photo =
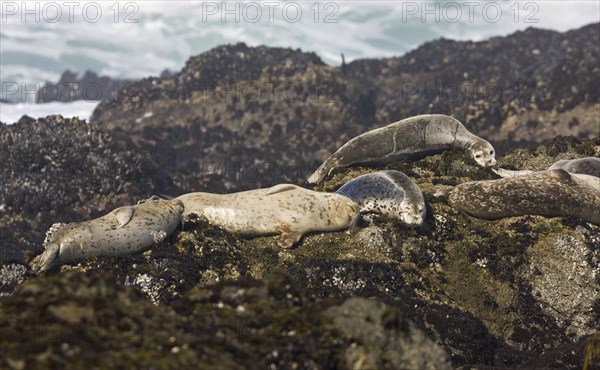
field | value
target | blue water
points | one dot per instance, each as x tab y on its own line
142	38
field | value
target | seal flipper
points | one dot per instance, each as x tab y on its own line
281	188
288	236
159	236
48	259
123	215
562	175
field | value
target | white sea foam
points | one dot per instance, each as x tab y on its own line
11	113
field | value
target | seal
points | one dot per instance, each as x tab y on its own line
389	193
585	166
503	172
552	193
412	138
285	209
123	231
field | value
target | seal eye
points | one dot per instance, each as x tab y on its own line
491	152
478	156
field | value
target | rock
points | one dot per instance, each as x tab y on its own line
382	338
564	275
90	87
239	107
63	170
486	292
11	275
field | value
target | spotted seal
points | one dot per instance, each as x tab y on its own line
585	166
547	193
123	231
288	210
411	138
390	193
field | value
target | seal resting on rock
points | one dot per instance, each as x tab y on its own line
284	209
552	193
389	193
411	138
125	230
503	172
585	166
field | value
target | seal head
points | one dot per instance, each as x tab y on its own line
389	193
483	153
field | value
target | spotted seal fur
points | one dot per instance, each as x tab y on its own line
551	193
288	210
389	193
123	231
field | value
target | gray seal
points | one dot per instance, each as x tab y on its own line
411	138
585	166
552	193
389	193
123	231
287	210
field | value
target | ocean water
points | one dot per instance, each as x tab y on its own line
135	39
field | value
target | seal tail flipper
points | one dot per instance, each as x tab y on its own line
320	174
355	214
48	259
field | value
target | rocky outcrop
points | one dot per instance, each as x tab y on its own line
62	170
457	292
525	77
238	117
89	86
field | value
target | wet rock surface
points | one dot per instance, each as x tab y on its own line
458	292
